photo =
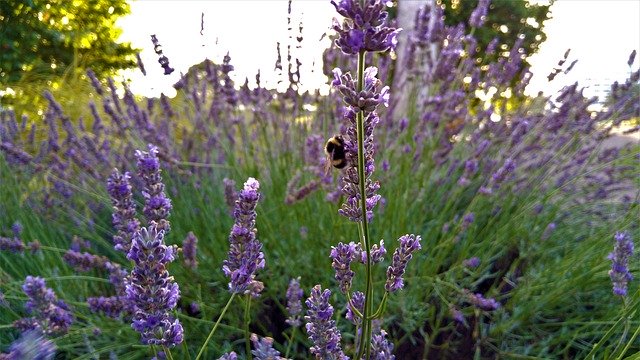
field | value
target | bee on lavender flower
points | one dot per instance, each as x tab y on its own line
336	155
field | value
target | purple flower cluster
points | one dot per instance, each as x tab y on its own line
111	306
124	210
471	263
342	255
479	14
84	261
619	273
483	303
363	28
152	290
229	356
14	245
357	303
294	302
50	315
377	253
189	246
263	348
157	205
321	328
230	193
31	345
381	348
245	256
404	252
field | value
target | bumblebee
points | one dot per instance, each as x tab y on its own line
336	156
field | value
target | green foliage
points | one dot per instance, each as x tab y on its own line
42	41
506	20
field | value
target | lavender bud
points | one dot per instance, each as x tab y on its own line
124	210
245	256
408	245
381	347
32	345
51	315
294	302
483	303
157	205
189	246
471	263
263	348
357	302
321	328
619	273
377	253
229	356
479	14
342	255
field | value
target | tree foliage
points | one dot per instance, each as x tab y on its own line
41	39
506	20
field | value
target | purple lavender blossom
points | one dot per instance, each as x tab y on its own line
245	256
189	246
357	302
50	315
377	253
263	348
321	328
152	290
479	14
17	228
363	28
471	263
408	245
157	205
124	210
619	273
14	245
483	303
456	315
467	220
112	306
230	193
229	356
31	345
84	262
294	302
342	255
381	347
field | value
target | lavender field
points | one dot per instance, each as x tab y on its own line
427	207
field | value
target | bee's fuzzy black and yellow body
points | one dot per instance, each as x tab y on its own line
335	152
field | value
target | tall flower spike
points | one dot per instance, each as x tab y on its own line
152	290
408	245
245	256
381	348
294	303
321	328
124	210
157	205
189	247
619	273
479	14
50	315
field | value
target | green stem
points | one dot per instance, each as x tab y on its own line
247	319
167	352
215	326
382	307
365	339
293	336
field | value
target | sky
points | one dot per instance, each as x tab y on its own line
600	33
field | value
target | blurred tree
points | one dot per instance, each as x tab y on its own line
41	39
506	20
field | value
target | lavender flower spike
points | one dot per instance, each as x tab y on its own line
156	204
619	273
342	256
189	246
321	328
124	210
294	303
31	345
152	291
51	316
263	348
229	356
479	14
408	245
245	255
381	348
